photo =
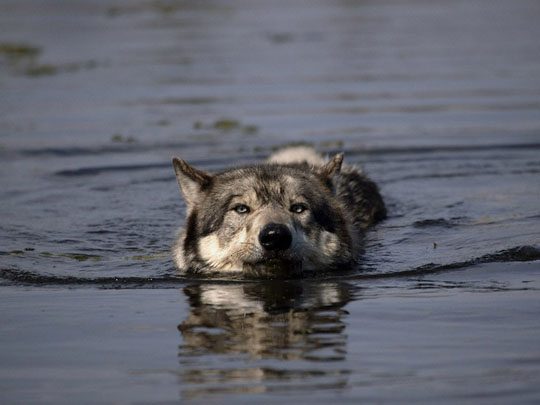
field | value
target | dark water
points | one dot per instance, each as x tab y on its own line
438	101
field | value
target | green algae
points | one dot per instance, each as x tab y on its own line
23	59
80	257
119	138
226	125
17	51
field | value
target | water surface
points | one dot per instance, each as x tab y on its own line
438	102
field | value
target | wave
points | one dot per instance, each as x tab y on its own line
14	276
517	254
225	161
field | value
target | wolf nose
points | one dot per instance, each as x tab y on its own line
275	237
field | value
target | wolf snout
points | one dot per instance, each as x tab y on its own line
275	237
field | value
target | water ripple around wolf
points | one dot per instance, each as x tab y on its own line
15	276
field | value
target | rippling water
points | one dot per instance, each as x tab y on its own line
439	102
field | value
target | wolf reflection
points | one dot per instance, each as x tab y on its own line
285	320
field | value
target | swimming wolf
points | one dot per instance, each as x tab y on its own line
293	214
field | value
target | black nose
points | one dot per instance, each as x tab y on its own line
275	237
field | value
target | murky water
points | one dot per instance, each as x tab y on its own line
438	101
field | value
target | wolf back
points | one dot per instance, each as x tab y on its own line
296	213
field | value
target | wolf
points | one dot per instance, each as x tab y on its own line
294	214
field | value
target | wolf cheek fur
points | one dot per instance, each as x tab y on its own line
296	213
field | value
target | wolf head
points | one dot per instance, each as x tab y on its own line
270	220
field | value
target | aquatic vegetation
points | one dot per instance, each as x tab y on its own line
17	51
23	59
119	138
226	125
80	257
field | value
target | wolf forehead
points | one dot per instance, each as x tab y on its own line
269	183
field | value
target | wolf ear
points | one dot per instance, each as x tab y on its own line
191	181
330	169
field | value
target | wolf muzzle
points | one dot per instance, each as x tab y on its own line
275	237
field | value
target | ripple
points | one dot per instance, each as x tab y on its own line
16	276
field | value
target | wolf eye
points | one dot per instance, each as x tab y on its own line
241	209
298	208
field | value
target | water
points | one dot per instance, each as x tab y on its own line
438	102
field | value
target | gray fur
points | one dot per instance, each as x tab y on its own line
324	208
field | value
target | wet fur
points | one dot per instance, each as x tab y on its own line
341	202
